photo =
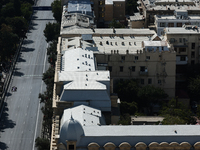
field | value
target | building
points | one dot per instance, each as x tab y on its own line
179	19
83	128
136	21
149	8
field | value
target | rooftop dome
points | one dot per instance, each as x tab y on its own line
71	130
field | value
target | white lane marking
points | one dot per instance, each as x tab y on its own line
36	124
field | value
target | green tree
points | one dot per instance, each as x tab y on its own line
125	119
115	24
52	31
8	10
57	10
176	113
130	108
127	90
18	24
8	41
194	88
48	78
26	10
17	6
149	96
131	6
42	144
52	53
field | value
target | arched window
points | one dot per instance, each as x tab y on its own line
124	146
197	146
140	146
185	146
109	146
154	146
93	146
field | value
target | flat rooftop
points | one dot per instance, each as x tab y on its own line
182	30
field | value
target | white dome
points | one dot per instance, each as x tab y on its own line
71	130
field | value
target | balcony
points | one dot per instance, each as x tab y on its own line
143	73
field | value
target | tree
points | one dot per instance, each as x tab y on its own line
115	24
42	144
52	31
194	88
125	119
131	6
57	10
130	108
8	11
149	96
176	113
8	41
127	90
52	53
18	24
17	6
26	10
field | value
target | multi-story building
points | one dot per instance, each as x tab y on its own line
149	8
179	19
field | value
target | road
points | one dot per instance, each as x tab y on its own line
21	118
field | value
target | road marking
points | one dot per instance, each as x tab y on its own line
24	122
26	114
27	106
22	132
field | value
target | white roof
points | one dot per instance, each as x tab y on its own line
86	115
177	30
78	60
107	2
155	43
99	31
142	130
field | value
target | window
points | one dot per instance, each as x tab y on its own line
133	68
192	54
110	68
172	40
183	58
179	24
100	2
142	81
149	81
142	68
71	147
122	57
184	40
162	24
182	49
162	48
180	40
109	57
121	68
159	81
175	49
136	57
170	24
148	57
193	45
192	62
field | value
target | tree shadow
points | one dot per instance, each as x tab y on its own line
3	146
28	41
21	60
26	49
5	123
17	73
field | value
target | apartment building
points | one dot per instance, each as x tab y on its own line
179	19
150	8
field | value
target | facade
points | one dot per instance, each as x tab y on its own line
136	21
179	19
150	8
185	41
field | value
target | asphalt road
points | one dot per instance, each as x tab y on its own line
21	118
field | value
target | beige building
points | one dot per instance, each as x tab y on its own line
149	8
136	21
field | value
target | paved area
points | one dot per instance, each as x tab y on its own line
21	118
